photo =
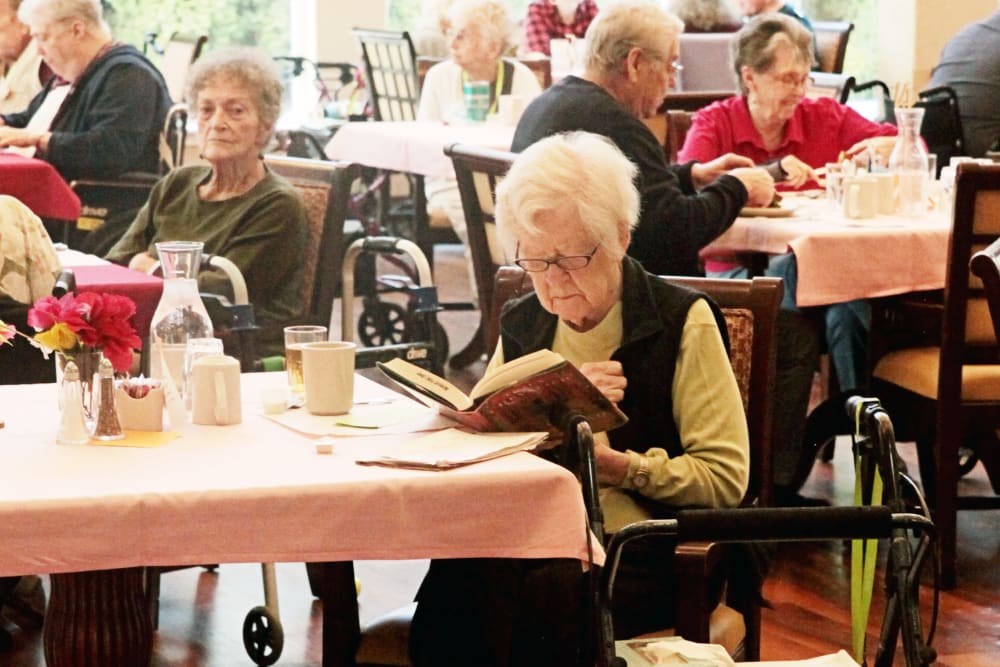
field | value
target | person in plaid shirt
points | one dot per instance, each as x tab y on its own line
549	19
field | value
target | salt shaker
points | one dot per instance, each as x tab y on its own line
108	426
72	425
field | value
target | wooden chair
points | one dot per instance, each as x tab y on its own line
831	44
478	171
325	188
707	62
837	86
670	127
390	73
985	265
751	310
950	388
693	100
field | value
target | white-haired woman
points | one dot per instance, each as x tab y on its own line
479	33
108	119
653	348
235	205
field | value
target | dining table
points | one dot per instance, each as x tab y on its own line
94	274
841	258
94	515
413	147
38	185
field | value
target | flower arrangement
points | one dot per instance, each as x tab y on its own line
76	323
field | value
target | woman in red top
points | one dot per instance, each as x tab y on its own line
776	125
773	121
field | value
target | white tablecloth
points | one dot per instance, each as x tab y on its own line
258	491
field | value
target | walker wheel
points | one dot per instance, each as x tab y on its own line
263	637
382	323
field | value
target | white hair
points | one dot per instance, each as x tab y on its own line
579	170
491	17
629	24
88	12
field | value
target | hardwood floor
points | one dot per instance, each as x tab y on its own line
201	613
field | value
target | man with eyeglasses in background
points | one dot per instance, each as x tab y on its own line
631	62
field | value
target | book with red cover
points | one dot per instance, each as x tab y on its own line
536	392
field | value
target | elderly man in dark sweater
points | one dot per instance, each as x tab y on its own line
631	50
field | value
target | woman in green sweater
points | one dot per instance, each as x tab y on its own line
235	205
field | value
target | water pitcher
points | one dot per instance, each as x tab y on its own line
180	315
908	162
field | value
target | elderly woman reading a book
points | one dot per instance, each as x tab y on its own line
564	213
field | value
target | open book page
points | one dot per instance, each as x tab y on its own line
452	447
514	370
423	384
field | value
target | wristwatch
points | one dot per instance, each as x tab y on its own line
640	478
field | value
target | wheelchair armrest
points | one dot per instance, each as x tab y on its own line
131	179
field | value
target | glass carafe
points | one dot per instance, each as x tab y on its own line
908	162
180	315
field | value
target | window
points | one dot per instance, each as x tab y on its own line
263	23
404	14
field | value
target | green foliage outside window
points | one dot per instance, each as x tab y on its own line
860	59
262	23
403	14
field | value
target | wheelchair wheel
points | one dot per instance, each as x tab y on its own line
382	323
263	637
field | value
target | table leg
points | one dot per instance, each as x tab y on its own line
341	628
98	619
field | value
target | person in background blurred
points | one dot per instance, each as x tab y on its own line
751	8
970	64
774	124
556	19
705	15
480	33
102	114
22	70
234	204
429	35
632	51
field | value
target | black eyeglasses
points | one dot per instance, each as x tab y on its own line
567	263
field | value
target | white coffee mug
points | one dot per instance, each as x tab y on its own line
328	375
215	390
886	192
860	194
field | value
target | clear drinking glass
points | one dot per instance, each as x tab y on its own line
295	338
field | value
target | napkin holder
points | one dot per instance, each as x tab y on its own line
141	414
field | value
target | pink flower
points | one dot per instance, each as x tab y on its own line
98	320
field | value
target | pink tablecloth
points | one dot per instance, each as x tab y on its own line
39	186
144	289
841	259
259	492
410	146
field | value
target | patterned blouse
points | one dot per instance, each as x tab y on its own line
544	23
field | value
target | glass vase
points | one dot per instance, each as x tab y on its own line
908	162
180	314
88	362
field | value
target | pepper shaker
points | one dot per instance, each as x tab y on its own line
108	426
